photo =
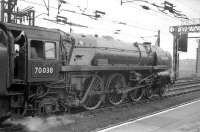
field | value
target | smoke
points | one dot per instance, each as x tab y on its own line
39	124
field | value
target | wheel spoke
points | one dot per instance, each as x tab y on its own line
136	94
94	99
116	82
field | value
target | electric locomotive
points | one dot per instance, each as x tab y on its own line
47	70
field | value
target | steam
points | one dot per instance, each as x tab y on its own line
39	124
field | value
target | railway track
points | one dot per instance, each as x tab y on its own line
186	82
183	87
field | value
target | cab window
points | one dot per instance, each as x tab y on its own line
42	50
50	50
37	49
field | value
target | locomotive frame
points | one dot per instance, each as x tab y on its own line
38	74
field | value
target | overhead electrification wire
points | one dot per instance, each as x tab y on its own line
113	21
107	30
118	22
164	15
78	13
175	19
156	12
52	7
176	14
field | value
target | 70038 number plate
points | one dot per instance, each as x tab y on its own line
43	71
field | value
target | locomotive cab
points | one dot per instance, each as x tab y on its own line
33	53
29	58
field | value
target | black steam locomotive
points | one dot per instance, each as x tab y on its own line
47	70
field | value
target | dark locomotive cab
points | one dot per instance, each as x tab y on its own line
29	56
35	53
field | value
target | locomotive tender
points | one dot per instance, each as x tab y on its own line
47	70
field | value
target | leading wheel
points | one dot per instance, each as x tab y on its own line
136	94
115	85
95	95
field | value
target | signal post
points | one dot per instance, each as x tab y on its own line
180	40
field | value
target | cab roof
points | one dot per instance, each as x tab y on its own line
34	32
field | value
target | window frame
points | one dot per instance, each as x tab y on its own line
55	51
44	53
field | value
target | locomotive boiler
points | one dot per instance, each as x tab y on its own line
47	70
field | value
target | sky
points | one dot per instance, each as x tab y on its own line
143	24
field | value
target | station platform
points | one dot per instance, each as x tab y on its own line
183	118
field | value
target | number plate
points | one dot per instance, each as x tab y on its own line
43	70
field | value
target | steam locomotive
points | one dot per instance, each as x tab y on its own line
47	70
